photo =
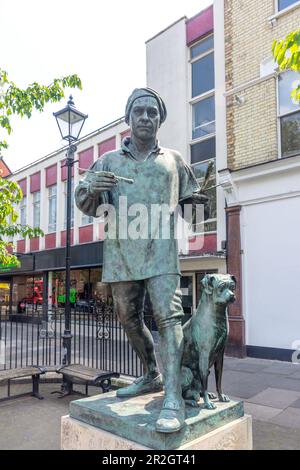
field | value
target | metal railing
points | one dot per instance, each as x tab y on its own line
34	337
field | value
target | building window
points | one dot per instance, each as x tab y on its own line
23	204
72	204
52	195
203	82
36	208
86	219
204	117
289	114
282	4
204	46
203	140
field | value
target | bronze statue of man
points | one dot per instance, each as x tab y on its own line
134	266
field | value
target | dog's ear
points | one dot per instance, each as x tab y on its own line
207	283
233	278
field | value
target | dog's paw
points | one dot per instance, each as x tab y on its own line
192	403
211	395
224	398
210	406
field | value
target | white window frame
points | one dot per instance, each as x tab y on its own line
286	9
35	204
192	101
52	226
86	219
279	116
203	96
23	210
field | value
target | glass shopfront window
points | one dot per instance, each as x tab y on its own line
4	298
27	295
86	288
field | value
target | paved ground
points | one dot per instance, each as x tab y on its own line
270	390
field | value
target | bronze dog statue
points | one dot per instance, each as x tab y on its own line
205	336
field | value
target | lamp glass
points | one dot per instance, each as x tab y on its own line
70	123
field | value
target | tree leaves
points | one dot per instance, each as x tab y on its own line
22	102
286	53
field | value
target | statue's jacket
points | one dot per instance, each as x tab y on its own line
140	237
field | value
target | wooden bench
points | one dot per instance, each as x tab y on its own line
34	371
76	373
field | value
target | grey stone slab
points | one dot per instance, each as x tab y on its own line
295	375
244	389
259	378
281	368
232	376
269	436
296	404
229	377
276	398
255	360
290	417
282	382
243	365
135	418
261	412
249	367
236	383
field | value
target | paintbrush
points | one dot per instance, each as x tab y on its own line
121	178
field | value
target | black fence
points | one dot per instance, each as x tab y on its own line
34	337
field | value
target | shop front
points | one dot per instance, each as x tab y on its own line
5	294
38	285
86	289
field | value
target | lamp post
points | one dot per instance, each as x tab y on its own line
70	122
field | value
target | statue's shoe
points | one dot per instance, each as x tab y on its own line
141	386
171	417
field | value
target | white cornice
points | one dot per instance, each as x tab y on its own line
279	179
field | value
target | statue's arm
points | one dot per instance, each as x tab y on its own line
86	199
87	202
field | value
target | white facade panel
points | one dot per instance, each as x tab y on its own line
270	198
167	70
271	272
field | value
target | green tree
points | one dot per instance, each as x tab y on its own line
21	102
286	53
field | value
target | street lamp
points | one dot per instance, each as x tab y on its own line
70	122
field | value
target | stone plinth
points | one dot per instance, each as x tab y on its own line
110	423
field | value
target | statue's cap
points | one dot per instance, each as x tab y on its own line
141	92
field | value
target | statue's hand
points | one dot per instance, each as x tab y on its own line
200	198
102	181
